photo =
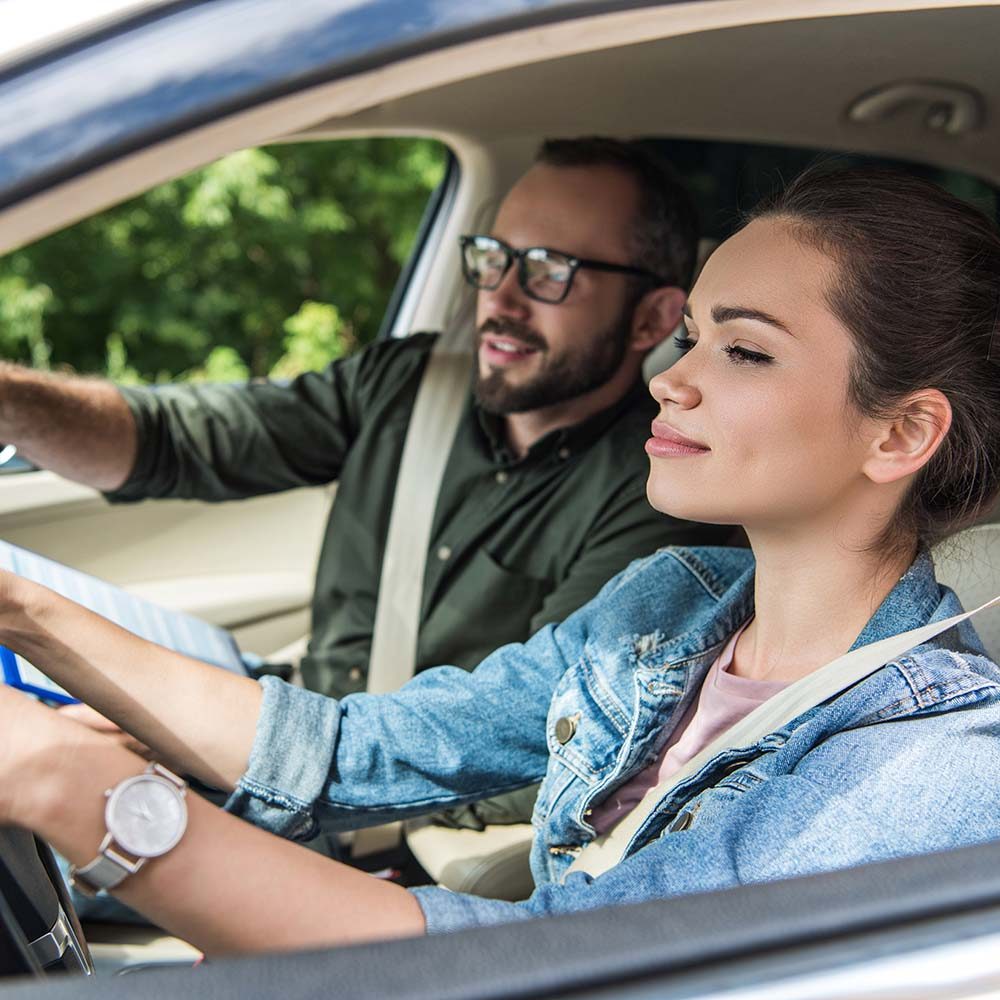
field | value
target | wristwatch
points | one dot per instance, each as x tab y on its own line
146	816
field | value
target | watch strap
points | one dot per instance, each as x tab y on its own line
106	871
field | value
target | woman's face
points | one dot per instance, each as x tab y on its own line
755	426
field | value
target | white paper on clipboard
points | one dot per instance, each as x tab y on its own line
172	629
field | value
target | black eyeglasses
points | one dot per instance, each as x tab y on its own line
543	274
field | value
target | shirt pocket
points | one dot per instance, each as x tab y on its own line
480	607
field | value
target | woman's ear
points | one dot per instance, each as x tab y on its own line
656	316
906	443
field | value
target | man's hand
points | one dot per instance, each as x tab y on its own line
87	716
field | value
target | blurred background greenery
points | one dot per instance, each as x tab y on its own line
269	262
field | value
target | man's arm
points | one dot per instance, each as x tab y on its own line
80	428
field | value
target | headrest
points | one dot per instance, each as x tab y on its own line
969	563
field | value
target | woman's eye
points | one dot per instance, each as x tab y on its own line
744	356
683	342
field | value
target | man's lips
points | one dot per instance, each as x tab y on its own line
668	443
502	349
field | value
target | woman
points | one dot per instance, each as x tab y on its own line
836	399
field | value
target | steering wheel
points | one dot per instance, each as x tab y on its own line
39	930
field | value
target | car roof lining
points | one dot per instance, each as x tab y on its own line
786	83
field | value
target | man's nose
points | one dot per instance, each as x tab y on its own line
676	385
507	299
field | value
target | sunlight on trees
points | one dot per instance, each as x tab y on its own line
269	261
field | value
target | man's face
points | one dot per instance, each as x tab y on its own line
535	354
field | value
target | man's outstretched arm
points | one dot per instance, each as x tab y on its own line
79	428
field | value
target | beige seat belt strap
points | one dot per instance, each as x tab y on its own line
608	850
441	397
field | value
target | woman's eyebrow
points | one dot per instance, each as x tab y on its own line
724	314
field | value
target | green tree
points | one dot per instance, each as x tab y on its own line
275	259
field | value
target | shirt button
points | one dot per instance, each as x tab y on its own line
564	453
501	477
566	728
444	553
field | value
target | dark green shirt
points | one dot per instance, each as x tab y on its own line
516	543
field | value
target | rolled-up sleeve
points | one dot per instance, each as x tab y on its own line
445	738
285	778
226	442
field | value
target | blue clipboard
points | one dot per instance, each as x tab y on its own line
16	675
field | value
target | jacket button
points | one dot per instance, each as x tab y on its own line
684	819
566	728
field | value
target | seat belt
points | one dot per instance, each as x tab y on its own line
608	850
441	397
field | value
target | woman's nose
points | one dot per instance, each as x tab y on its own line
676	385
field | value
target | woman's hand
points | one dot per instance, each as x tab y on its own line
33	739
93	719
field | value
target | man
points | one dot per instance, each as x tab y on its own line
543	497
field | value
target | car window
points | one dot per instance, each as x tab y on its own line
726	178
269	262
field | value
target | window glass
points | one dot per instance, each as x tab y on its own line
727	179
271	261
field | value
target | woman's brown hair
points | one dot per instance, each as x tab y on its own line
919	290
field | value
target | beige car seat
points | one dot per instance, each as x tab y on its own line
969	563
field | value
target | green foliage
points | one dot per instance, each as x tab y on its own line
271	260
314	334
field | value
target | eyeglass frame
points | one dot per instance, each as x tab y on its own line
519	255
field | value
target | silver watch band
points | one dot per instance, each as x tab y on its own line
106	871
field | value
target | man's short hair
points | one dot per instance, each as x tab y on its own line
665	231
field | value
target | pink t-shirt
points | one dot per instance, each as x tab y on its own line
724	699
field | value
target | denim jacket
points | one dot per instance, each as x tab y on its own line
903	762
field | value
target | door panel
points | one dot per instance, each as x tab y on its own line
247	565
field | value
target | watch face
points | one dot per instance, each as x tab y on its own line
146	815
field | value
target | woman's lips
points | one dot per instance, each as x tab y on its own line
668	443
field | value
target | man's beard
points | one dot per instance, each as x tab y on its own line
575	372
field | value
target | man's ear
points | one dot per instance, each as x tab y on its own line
907	442
656	317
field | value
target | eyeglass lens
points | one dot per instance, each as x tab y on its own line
543	273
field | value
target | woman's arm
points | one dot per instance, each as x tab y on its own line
199	719
226	887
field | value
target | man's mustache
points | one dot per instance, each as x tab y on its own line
510	328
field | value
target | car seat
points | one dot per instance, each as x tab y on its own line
969	563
